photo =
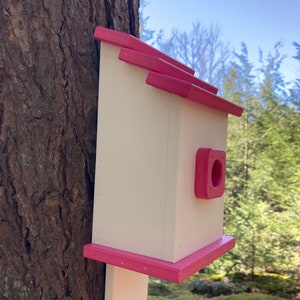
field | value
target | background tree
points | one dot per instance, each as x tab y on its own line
48	111
295	91
146	34
201	48
262	202
275	173
239	87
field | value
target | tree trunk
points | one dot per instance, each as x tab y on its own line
48	111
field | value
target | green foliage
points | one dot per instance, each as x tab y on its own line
159	289
275	284
262	197
259	286
162	290
231	297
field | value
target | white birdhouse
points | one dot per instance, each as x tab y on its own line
160	164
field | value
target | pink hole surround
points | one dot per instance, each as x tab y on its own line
210	169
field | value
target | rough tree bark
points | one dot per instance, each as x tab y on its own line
48	105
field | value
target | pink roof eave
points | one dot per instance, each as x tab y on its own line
192	92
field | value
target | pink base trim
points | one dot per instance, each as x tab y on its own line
175	272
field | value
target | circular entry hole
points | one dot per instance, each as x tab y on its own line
216	173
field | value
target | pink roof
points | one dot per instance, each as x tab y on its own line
165	72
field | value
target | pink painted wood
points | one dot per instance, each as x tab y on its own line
175	272
192	92
126	40
210	171
156	63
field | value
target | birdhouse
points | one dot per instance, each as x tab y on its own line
160	163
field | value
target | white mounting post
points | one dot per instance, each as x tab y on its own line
123	284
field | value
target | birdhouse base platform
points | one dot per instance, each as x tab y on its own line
174	272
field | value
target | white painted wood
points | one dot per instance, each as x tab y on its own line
131	158
198	222
146	147
122	284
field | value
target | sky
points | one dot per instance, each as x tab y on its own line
258	23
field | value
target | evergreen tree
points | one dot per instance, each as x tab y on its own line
239	87
295	91
274	170
262	193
